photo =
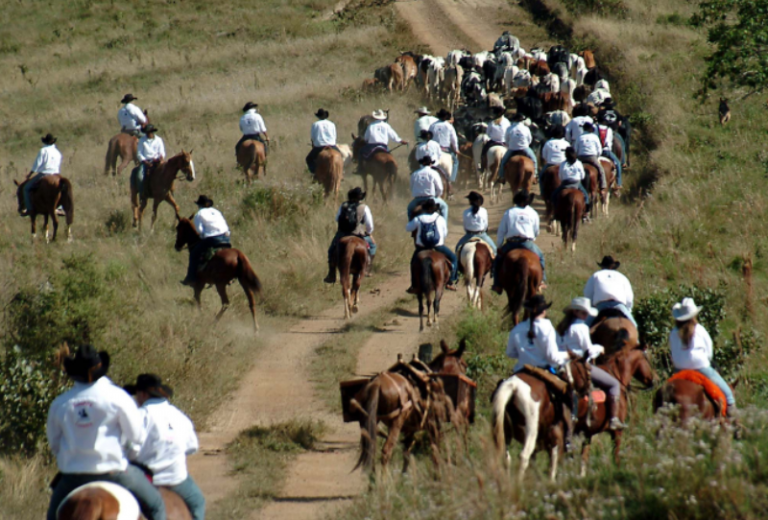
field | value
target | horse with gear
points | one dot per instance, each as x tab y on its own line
445	135
47	162
150	154
589	149
428	147
496	132
353	219
125	144
475	250
130	117
519	140
253	127
214	234
572	176
323	135
609	289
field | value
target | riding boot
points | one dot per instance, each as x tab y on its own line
331	278
369	264
613	414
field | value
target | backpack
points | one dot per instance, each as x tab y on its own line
429	234
348	221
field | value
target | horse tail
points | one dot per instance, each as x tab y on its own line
574	221
501	397
246	275
368	426
67	199
426	280
518	296
110	161
467	261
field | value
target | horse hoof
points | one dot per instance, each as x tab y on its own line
354	309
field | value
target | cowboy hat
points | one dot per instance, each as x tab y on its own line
150	128
429	206
685	310
518	117
425	134
356	194
48	139
423	111
537	304
151	384
204	202
497	112
523	198
87	365
609	263
443	115
473	195
249	106
581	304
128	98
322	113
379	115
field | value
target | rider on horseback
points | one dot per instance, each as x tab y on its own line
475	223
691	348
377	136
572	176
496	132
353	219
88	428
214	234
518	229
252	126
47	162
553	152
609	289
605	134
518	139
589	149
130	117
323	136
575	128
431	231
445	135
423	122
151	152
427	184
170	438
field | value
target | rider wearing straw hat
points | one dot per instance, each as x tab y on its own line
423	122
130	117
323	135
609	289
691	348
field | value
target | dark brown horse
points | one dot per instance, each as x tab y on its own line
124	146
252	159
569	209
160	186
607	329
594	188
225	266
520	276
548	183
475	261
381	166
430	271
50	192
353	256
329	172
96	502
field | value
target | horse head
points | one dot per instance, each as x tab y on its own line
186	234
188	166
357	144
450	361
579	369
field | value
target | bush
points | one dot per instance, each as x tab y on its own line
117	222
277	202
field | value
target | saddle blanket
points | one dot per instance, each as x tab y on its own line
710	388
370	149
598	396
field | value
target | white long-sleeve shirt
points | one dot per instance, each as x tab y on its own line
542	352
423	123
518	137
48	160
554	151
131	117
698	354
578	340
170	438
426	182
475	222
589	144
415	225
497	129
252	123
209	222
89	425
518	222
607	285
323	133
380	132
428	149
445	135
151	149
575	128
367	218
571	173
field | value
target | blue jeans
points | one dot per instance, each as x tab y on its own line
508	156
716	378
455	171
132	479
576	185
612	304
196	253
192	496
481	235
418	200
616	162
28	190
332	251
510	245
622	144
450	255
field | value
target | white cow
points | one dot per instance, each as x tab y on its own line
435	75
453	58
508	80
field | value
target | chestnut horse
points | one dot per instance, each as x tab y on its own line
124	146
252	159
607	327
610	181
225	265
95	501
518	172
353	256
50	192
475	261
594	188
381	166
160	187
520	276
329	172
430	271
569	209
549	182
690	397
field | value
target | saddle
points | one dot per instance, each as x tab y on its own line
710	389
366	153
554	384
604	315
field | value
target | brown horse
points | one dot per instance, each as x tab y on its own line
594	188
252	159
549	182
329	172
607	331
160	187
353	257
124	146
95	502
520	276
381	166
50	192
430	271
569	209
518	172
475	261
610	181
690	397
222	268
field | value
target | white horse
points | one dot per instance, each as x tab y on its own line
490	176
346	155
477	158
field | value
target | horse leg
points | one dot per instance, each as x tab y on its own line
251	305
616	446
553	454
585	456
222	290
155	203
55	220
392	435
345	293
170	200
125	161
408	442
356	281
45	227
421	312
33	222
531	414
142	207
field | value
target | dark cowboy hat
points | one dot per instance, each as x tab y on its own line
498	111
537	304
609	263
589	127
87	365
443	115
322	113
249	106
151	384
429	206
48	139
425	134
150	128
356	194
518	117
473	195
204	202
522	198
128	98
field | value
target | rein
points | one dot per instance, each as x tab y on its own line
398	146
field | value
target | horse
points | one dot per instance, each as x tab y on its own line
690	397
101	501
353	257
252	159
429	274
608	326
160	187
594	189
475	261
520	276
569	209
493	159
225	265
126	147
50	192
329	172
549	182
610	180
518	172
381	166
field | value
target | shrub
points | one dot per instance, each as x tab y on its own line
285	201
117	222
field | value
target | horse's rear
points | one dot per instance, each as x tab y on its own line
493	160
99	501
476	261
520	276
606	332
518	172
549	182
330	172
252	158
381	165
688	396
226	265
429	274
353	256
569	210
50	192
125	147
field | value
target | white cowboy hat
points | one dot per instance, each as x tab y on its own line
581	304
685	310
602	84
423	110
379	115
